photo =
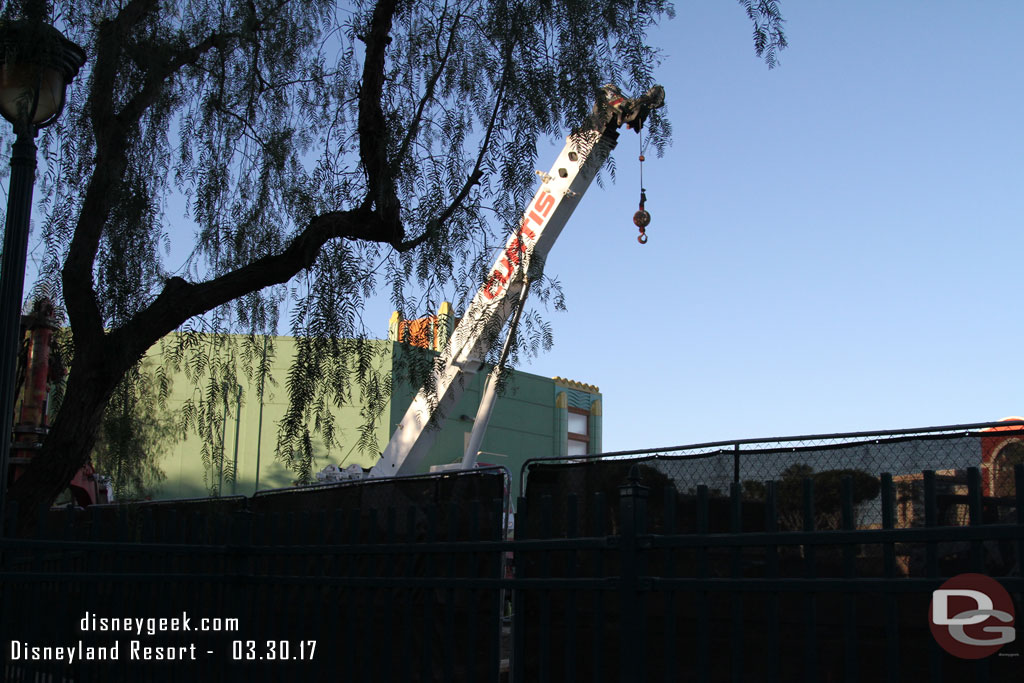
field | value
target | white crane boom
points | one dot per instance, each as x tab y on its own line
521	261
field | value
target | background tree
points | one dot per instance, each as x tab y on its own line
323	151
828	500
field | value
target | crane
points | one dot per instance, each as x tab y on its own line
505	288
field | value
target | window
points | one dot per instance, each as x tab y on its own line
577	449
579	432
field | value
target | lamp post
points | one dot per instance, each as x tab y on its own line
36	65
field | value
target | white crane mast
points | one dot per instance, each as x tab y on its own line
521	261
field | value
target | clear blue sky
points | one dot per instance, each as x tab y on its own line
835	243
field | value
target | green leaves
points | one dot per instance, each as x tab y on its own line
769	37
136	432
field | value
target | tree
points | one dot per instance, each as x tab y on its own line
828	500
135	432
324	151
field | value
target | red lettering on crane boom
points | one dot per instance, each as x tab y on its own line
518	244
544	204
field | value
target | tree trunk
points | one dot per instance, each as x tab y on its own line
68	445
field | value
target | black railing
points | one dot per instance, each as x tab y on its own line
720	592
642	582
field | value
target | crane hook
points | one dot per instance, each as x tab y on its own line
641	218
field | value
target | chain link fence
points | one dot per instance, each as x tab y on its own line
993	447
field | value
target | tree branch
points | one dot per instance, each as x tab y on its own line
474	177
372	129
108	50
111	135
157	78
110	163
428	94
181	300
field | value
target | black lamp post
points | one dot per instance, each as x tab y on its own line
36	65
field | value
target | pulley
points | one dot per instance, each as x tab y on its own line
642	218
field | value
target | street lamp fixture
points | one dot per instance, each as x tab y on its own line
36	65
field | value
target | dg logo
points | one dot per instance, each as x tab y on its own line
971	616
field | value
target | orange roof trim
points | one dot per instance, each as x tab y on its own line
573	384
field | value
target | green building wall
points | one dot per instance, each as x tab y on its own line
529	421
250	435
522	426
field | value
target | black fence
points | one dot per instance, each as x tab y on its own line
652	585
375	579
619	573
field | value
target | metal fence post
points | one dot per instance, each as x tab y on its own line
892	624
810	603
518	663
932	565
736	527
632	520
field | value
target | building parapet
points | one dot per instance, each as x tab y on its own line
573	384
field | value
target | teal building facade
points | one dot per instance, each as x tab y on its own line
535	417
